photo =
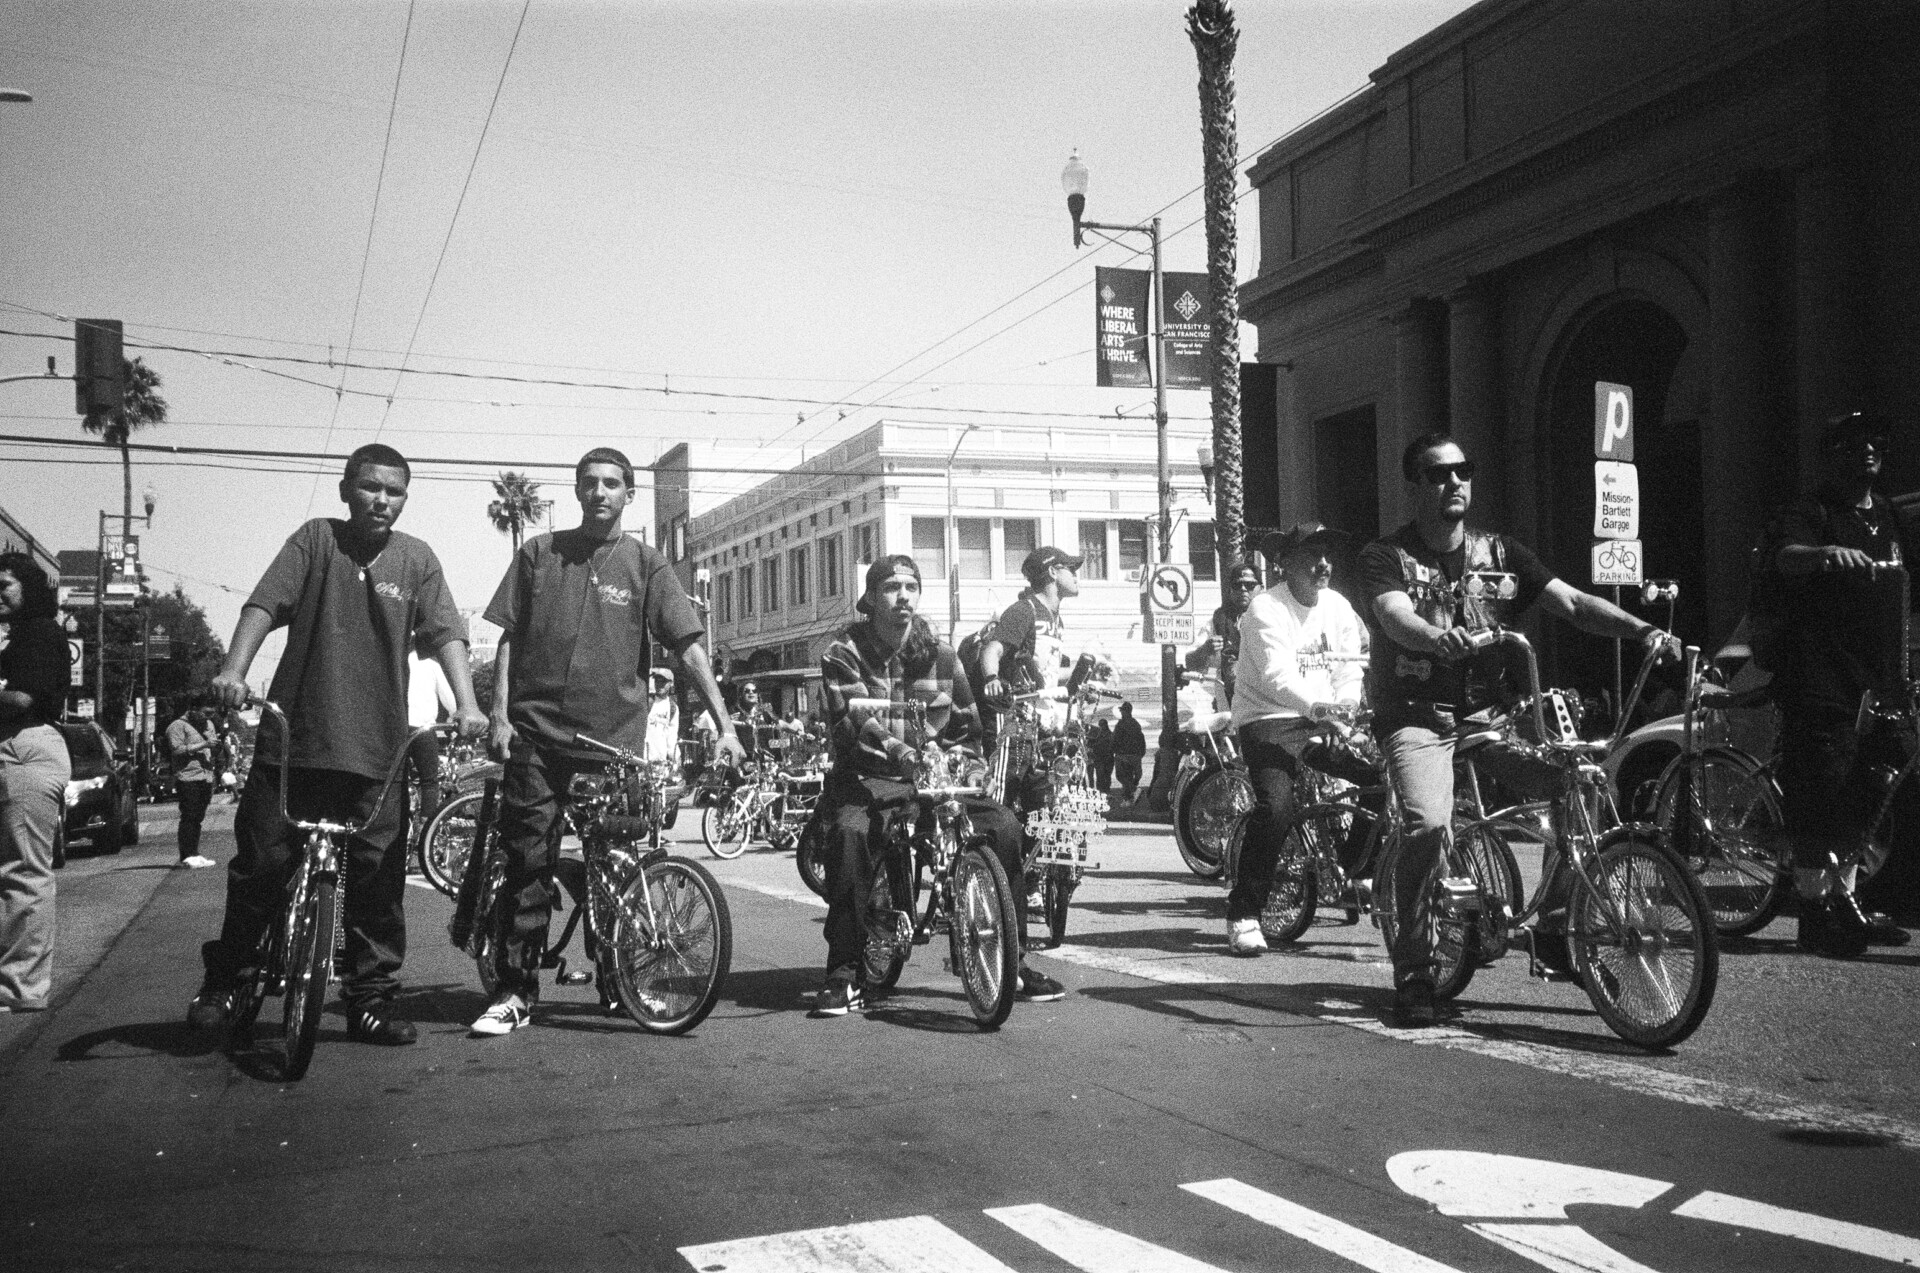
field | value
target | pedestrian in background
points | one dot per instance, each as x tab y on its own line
190	751
34	769
1129	750
429	701
1100	755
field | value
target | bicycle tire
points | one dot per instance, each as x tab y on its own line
725	827
985	934
309	958
1293	893
250	991
1654	982
447	841
1056	893
485	942
1732	841
1203	821
670	957
1485	857
882	958
810	859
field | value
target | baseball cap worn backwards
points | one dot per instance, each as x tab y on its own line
881	571
1041	561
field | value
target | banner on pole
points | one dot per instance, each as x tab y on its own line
1120	299
1184	305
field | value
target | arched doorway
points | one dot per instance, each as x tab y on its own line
1627	340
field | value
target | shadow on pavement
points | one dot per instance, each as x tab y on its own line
766	990
170	1038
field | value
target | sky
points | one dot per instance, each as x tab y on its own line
760	225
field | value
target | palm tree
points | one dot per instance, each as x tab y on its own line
1210	27
140	406
518	507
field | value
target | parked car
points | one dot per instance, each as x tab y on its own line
101	808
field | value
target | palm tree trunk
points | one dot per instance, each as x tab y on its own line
1211	28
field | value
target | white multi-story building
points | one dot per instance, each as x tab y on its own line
785	561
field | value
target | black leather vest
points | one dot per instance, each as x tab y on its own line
1481	598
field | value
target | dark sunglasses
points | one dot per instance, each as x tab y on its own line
1247	583
1437	474
1858	446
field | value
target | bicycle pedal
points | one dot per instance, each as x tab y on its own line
581	978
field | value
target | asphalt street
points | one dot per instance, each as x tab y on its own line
1180	1110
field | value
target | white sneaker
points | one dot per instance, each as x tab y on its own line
508	1013
196	862
1244	937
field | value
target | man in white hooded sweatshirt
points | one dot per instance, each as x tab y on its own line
1299	648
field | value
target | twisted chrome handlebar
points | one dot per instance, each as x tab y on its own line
386	788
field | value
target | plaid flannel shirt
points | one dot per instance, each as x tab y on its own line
856	666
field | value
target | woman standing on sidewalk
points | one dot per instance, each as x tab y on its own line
34	769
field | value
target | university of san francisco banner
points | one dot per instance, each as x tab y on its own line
1120	299
1183	308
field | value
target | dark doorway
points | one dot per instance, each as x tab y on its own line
1637	343
1346	487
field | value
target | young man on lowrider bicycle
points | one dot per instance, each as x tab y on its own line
576	609
354	596
1430	586
1299	647
892	654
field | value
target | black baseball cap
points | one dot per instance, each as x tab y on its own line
1853	427
881	571
1279	543
1041	561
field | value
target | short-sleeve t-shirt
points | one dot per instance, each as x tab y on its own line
1381	573
351	617
1842	630
578	612
1028	628
35	664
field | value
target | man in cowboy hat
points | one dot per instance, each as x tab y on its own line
1429	587
1300	645
890	653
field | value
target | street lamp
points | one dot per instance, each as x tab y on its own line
953	543
1073	179
1204	453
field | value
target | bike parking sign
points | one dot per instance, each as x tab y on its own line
1617	562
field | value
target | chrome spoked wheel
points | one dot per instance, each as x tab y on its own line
447	842
986	934
1213	805
725	827
1643	944
672	945
1720	813
309	957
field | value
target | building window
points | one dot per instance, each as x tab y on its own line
930	545
1023	536
1201	554
799	575
746	591
723	598
1133	548
770	592
1093	547
677	539
869	543
976	547
830	566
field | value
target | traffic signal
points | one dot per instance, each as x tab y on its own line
99	366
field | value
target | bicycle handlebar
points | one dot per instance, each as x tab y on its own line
386	787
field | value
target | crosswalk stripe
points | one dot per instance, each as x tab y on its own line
1564	1248
1093	1247
1843	1234
916	1244
1342	1239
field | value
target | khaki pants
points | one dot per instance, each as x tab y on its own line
34	769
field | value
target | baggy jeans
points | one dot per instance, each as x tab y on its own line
34	769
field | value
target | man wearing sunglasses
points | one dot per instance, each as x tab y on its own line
1838	638
1429	586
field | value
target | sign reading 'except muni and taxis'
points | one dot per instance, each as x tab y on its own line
1166	605
1120	300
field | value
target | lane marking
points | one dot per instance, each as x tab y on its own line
1625	1075
1342	1239
1464	1183
1564	1248
805	896
1747	1214
916	1244
1094	1247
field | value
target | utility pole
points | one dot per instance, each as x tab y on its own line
1211	28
